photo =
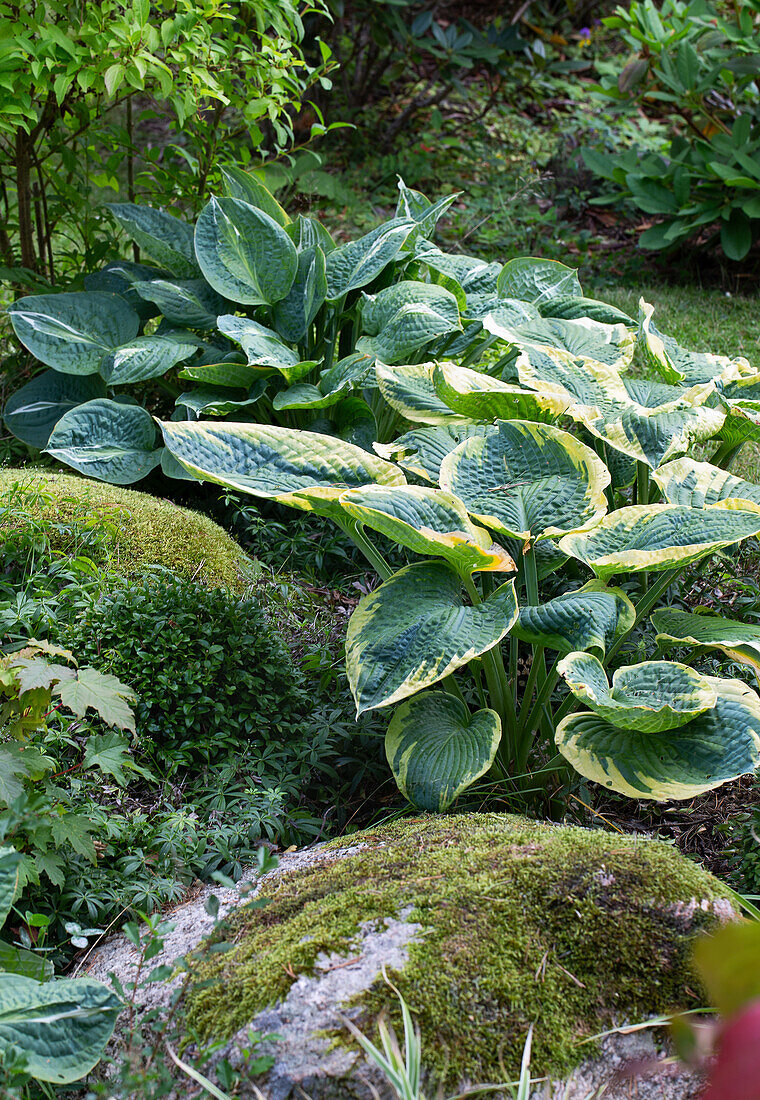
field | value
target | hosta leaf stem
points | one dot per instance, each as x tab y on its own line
496	679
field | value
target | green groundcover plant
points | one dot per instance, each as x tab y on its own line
534	468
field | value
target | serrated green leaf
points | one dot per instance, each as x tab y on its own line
101	692
75	831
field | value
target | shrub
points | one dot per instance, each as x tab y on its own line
209	669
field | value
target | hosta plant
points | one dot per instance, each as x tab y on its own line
548	505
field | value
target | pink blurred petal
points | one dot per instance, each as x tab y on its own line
735	1072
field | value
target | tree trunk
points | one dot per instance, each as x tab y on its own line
24	192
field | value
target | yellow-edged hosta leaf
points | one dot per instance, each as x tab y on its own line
428	521
410	390
589	619
481	397
583	339
676	364
659	536
422	450
593	386
698	484
529	481
739	641
742	423
436	748
303	469
415	629
718	746
649	697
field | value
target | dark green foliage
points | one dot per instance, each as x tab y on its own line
210	671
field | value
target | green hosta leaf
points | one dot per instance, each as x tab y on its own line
698	484
650	697
101	692
295	312
303	469
414	206
106	440
742	423
245	186
582	339
410	390
589	619
305	396
143	358
714	748
357	263
474	275
17	960
428	521
62	1026
33	411
123	277
739	641
310	233
191	302
572	308
481	397
415	629
529	481
230	374
422	450
264	347
437	749
9	861
166	239
659	536
216	401
72	332
403	318
534	280
245	255
675	363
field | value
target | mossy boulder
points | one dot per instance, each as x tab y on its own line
142	530
486	923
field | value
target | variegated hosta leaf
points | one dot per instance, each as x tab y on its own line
718	746
675	363
428	521
698	484
422	450
742	423
415	629
481	397
572	308
357	369
657	422
613	345
659	536
403	318
264	348
436	748
589	619
536	280
410	391
649	697
303	469
530	481
739	641
107	440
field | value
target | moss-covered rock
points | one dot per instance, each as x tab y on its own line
489	924
143	530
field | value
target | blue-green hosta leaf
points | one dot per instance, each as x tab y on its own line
306	396
590	618
188	302
295	312
107	440
428	521
534	280
403	318
649	697
72	332
245	255
481	397
264	348
660	536
305	470
142	358
166	239
527	480
739	641
62	1026
245	186
219	401
230	374
357	263
718	746
582	339
122	277
572	308
698	484
474	276
675	363
17	960
437	749
357	369
509	312
33	411
9	861
410	390
422	450
414	206
415	629
310	233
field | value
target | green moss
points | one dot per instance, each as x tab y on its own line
523	923
143	529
